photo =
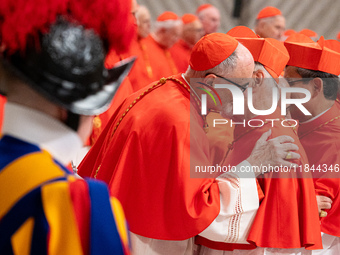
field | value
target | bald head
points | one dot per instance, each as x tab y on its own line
271	27
143	21
210	18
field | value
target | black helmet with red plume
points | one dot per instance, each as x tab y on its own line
60	49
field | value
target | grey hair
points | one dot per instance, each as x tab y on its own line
331	81
225	67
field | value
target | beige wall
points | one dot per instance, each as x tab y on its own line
322	16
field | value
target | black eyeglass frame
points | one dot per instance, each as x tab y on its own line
242	87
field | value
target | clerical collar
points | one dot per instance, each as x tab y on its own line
41	129
315	117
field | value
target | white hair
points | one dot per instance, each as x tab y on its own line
224	68
167	24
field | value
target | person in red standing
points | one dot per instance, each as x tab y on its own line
275	229
210	17
141	72
270	23
192	32
167	31
317	70
146	153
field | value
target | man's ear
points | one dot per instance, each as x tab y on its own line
317	87
209	79
258	77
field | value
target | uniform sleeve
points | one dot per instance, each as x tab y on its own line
108	226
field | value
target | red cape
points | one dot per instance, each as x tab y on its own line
321	140
146	164
288	214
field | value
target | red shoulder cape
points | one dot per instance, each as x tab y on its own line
146	163
288	214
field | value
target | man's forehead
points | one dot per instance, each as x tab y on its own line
213	12
279	20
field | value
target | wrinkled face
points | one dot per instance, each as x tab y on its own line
240	75
273	27
192	32
292	75
143	22
211	20
170	36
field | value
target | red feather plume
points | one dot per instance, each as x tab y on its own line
23	20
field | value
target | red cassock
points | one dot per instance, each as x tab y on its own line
146	163
160	59
141	72
288	213
321	140
180	53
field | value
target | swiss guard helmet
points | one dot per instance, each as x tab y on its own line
58	47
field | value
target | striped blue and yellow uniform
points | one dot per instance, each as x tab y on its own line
46	210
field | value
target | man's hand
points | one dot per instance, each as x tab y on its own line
274	151
323	203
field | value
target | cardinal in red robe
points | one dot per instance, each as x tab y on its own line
319	132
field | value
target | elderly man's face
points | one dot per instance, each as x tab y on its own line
192	32
211	20
143	22
240	75
273	27
171	35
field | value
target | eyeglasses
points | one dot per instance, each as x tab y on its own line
242	87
